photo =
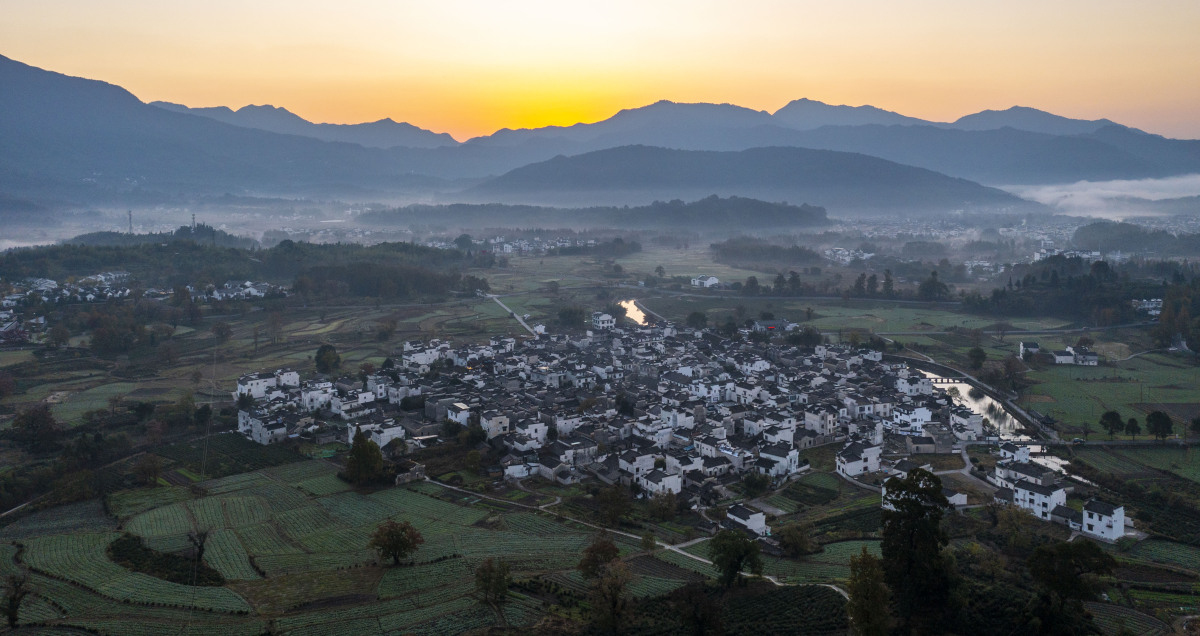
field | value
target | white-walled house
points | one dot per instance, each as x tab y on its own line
658	482
753	521
858	458
705	281
1103	520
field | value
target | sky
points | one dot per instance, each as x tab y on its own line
470	67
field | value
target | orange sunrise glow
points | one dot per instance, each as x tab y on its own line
472	67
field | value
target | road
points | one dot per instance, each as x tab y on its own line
512	313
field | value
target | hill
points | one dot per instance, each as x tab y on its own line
732	213
384	133
841	181
73	137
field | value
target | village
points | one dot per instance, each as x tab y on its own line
661	410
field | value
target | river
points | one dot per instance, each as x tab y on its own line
993	412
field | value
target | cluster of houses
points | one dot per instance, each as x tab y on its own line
537	245
684	412
844	256
1037	489
95	288
1152	306
1077	355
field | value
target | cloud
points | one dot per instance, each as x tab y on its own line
1108	197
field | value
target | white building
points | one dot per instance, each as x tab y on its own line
858	458
705	281
603	321
755	522
1103	520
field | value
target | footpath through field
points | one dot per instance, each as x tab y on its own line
678	549
512	313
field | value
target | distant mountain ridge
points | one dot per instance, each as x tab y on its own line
634	175
67	140
384	133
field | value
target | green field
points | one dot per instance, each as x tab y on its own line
1078	395
291	542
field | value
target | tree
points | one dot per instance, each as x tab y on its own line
976	356
750	287
471	461
660	272
395	541
732	551
931	288
599	553
914	567
1112	422
610	598
1159	425
492	580
697	320
796	540
755	484
59	335
15	590
614	504
648	541
149	467
222	331
327	359
1069	570
869	596
463	242
1132	428
365	463
245	401
698	612
1196	425
872	285
37	428
889	285
664	506
198	539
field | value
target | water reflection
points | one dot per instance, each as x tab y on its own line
633	312
994	412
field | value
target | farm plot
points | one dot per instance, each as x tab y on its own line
1115	619
81	558
173	519
1110	463
1168	552
225	553
266	539
127	503
306	520
81	517
354	509
402	581
412	504
323	485
1184	462
279	564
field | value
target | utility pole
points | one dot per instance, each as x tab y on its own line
193	222
130	212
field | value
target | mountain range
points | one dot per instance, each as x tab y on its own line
74	140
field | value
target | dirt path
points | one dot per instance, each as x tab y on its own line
678	549
513	314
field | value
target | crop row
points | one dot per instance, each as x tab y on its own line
841	551
327	484
336	540
277	564
226	554
401	581
1112	618
646	586
354	509
266	539
81	517
82	559
172	519
139	627
405	503
306	520
127	503
1168	552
